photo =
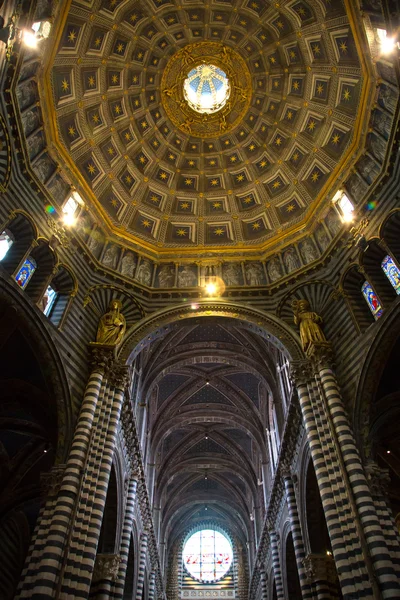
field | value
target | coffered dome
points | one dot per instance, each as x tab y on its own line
207	127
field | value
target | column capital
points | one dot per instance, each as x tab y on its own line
321	354
320	567
106	567
101	356
301	372
51	481
378	479
119	375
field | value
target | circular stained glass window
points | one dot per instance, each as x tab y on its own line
206	88
207	555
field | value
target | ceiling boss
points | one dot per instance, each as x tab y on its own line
206	89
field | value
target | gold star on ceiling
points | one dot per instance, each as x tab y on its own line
97	42
135	79
335	139
248	200
181	232
111	151
144	124
316	50
214	182
163	175
315	176
272	59
71	131
296	85
65	85
154	198
292	54
184	205
127	136
295	156
290	208
233	159
188	181
114	202
346	95
343	47
311	125
91	81
320	89
96	118
240	178
72	36
142	159
115	78
91	168
219	231
117	109
146	223
276	184
278	141
280	24
289	115
191	163
217	204
252	147
120	48
255	226
262	164
128	179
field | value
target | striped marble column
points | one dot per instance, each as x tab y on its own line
180	567
276	564
86	529
152	586
118	590
384	570
298	543
378	481
54	533
264	585
52	482
142	565
352	571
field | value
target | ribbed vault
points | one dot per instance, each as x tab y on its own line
207	387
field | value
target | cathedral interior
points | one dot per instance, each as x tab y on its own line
199	299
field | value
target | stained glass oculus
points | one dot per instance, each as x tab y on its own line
207	555
206	88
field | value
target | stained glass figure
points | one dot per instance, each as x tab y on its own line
207	555
48	300
392	272
372	299
206	88
5	243
25	273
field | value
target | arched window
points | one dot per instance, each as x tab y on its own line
273	435
392	272
57	297
48	300
5	243
372	300
25	272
